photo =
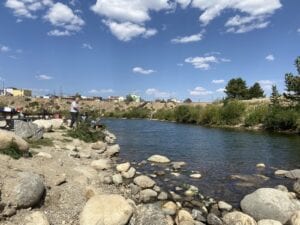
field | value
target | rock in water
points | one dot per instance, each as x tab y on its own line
28	191
7	138
149	214
46	124
147	195
159	159
169	208
224	206
123	167
129	174
144	181
106	210
36	218
293	174
269	203
238	218
112	150
28	130
268	222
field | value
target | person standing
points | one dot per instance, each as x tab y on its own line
74	111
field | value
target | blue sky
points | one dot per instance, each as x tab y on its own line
157	48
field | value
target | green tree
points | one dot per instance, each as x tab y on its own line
188	100
297	64
275	96
236	89
292	84
256	91
129	98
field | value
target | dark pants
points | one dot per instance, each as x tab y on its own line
74	118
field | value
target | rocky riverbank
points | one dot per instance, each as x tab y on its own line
78	183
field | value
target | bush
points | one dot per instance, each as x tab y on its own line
280	118
137	112
85	133
165	114
232	112
211	115
256	115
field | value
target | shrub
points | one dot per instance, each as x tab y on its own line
85	133
280	118
232	112
137	112
211	115
182	114
256	115
164	114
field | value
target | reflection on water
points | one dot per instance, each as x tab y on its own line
216	153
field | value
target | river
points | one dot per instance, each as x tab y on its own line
215	153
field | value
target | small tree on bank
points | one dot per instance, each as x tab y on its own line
275	96
236	89
292	83
256	91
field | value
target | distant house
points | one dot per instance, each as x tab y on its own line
174	100
135	98
116	98
17	92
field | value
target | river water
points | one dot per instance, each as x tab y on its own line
216	153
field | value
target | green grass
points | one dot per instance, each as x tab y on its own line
40	143
85	133
13	151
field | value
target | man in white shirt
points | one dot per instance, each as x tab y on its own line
74	111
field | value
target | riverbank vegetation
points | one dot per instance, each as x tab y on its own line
281	113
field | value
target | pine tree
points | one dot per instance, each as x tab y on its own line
256	91
275	96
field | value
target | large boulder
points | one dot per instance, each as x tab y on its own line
159	159
268	222
112	150
45	124
293	174
269	203
28	130
149	214
56	123
144	181
27	191
295	219
184	217
36	218
238	218
106	210
101	164
7	138
100	146
147	195
123	167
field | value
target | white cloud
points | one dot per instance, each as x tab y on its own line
44	77
101	91
221	90
298	30
135	11
218	81
4	48
87	46
142	71
257	12
270	57
187	39
27	8
203	63
59	33
266	84
158	94
198	91
126	31
126	19
60	15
